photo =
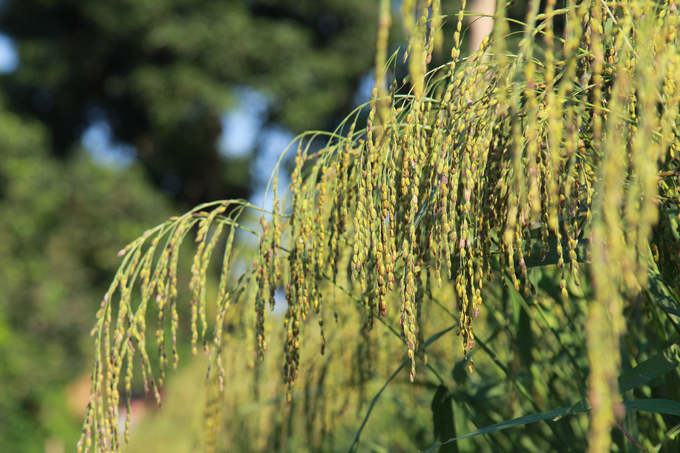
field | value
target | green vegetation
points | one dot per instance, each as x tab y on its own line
546	167
483	258
163	72
61	223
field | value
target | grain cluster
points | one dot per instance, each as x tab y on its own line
534	149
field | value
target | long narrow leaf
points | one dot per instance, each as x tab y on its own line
663	296
547	415
443	418
659	406
655	366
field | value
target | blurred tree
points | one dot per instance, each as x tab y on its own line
61	225
161	72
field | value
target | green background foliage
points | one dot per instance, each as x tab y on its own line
62	223
163	72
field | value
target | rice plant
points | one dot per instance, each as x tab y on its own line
544	165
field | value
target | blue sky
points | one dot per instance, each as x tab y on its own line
9	60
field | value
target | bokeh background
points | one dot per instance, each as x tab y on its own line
115	115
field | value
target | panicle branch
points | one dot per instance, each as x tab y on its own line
558	150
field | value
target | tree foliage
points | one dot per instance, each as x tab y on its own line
61	223
544	152
163	72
